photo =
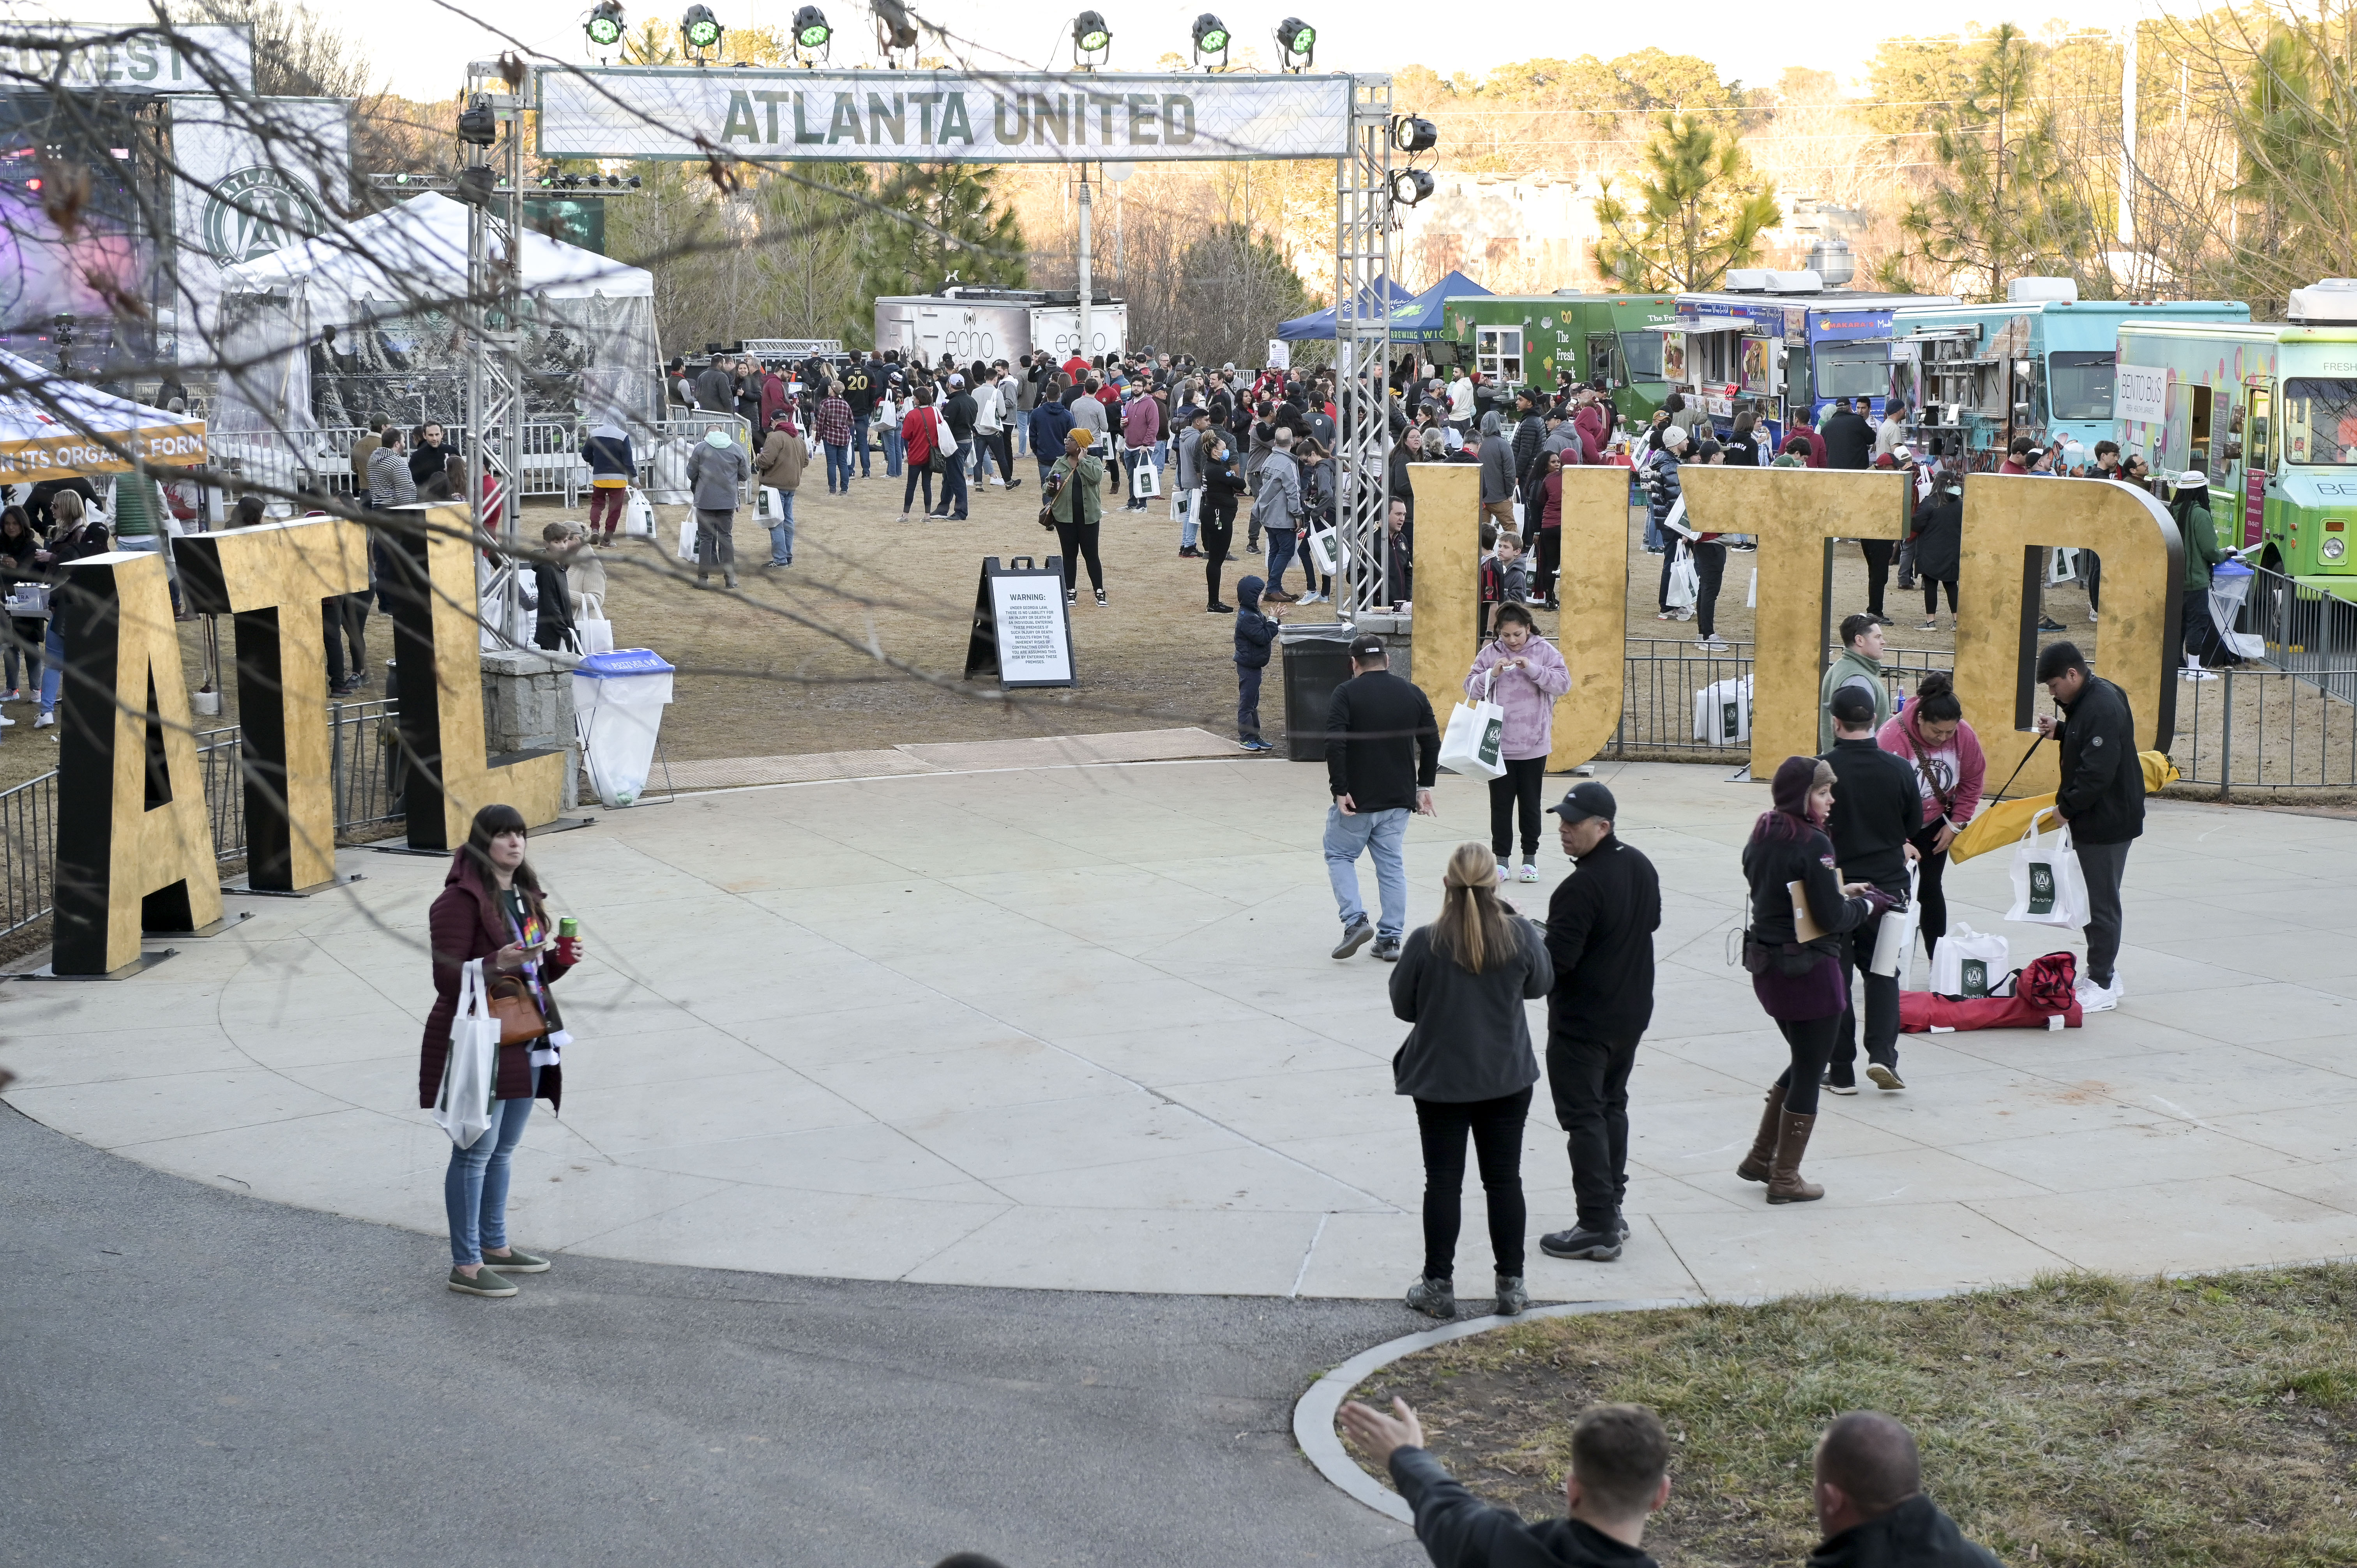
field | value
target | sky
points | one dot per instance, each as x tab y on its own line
422	49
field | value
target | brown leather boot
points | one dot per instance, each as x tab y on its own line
1760	1161
1784	1183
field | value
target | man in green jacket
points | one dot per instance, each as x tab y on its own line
2191	508
1860	664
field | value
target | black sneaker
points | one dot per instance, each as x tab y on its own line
1434	1298
1846	1084
1620	1225
1593	1246
1219	610
1360	933
1884	1074
1387	949
2048	623
1103	603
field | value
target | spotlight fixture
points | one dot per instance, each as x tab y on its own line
811	30
605	27
1297	44
1410	186
1413	134
476	185
1090	36
895	29
1210	37
699	30
477	125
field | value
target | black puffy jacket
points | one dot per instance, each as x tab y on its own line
2102	782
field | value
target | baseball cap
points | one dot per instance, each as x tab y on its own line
1367	645
1589	800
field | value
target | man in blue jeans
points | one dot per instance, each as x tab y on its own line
1383	752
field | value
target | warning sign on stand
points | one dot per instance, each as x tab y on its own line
1022	633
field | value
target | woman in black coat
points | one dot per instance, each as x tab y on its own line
1468	1063
1799	982
1939	540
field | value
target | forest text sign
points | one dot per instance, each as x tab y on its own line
939	116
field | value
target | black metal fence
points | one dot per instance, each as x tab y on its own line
1677	698
364	744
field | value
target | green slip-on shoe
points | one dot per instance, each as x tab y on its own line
517	1262
486	1282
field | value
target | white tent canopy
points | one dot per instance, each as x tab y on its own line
52	427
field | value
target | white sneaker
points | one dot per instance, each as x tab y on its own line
1530	872
2190	673
7	724
45	720
2095	998
999	482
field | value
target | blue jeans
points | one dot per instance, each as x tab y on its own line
1280	556
53	670
953	485
475	1188
838	461
986	454
1346	839
1022	434
859	446
894	452
1190	502
781	532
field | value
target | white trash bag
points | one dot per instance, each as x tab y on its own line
470	1073
1686	581
1966	963
2048	890
1476	736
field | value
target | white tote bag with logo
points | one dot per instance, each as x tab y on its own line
2048	890
1686	581
469	1073
638	515
1967	962
687	538
1476	736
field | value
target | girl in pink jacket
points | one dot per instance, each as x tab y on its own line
1530	676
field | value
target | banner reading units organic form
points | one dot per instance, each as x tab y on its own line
881	116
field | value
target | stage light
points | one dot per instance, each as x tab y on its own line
1413	134
634	182
476	185
34	185
605	27
1296	43
1090	33
1410	186
811	30
1211	37
477	125
699	29
895	29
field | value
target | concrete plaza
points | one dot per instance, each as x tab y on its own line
1075	1027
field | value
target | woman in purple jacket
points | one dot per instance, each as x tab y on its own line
1530	675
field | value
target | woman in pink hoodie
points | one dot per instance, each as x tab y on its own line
1929	735
1530	676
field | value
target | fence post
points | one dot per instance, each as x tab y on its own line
2226	746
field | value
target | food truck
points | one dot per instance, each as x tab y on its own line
1972	376
1783	343
1533	339
2268	410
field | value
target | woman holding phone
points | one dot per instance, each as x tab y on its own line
491	908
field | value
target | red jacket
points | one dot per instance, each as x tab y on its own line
1899	737
1594	428
1816	442
920	427
466	923
1078	369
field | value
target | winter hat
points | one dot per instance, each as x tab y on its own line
717	437
1796	779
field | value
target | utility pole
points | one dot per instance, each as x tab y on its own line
2128	140
1088	285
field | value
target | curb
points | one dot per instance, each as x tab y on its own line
1314	1412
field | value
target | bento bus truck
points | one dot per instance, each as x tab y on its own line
1530	339
2268	410
1786	345
1971	377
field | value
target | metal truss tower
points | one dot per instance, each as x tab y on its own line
494	306
1362	339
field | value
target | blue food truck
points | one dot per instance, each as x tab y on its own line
2040	364
1783	343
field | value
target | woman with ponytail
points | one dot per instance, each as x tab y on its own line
1798	979
1462	982
1932	737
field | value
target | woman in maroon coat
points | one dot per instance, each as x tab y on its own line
491	908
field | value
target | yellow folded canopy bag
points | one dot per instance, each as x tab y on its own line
2003	825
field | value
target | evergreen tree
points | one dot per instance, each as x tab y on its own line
1700	210
937	224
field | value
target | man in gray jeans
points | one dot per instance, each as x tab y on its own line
716	474
2101	800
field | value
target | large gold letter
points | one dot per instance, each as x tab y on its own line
1447	626
2010	520
1593	631
1796	513
135	840
273	578
437	640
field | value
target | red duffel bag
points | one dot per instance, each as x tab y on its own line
2043	990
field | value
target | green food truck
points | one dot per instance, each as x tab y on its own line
2268	410
1530	339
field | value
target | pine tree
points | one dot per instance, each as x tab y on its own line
942	223
1700	210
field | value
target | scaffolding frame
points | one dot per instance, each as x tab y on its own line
1362	341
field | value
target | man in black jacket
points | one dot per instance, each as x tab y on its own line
1383	752
1849	444
957	414
1619	1477
1530	462
1877	806
1870	1502
1600	934
2101	800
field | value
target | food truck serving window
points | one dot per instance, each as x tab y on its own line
1642	351
2319	421
1852	369
1497	352
2079	382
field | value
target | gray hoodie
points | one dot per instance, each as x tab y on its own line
718	474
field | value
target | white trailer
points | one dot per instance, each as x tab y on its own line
996	324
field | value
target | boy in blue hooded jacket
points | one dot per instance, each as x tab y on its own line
1255	634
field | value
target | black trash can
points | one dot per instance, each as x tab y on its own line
1316	659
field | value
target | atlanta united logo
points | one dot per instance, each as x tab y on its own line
255	211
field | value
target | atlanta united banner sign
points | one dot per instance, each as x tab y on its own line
880	116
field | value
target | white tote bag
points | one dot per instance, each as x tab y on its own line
1894	938
596	632
1722	715
1966	963
1686	582
1322	552
638	515
1477	734
470	1072
687	538
2048	890
1144	482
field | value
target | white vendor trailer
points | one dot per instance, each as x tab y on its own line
986	324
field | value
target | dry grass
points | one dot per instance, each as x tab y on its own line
2083	1421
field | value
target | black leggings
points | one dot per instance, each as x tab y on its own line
1710	570
1878	553
1811	1041
1933	904
918	473
1550	563
1075	542
1497	1129
1523	780
1216	534
1931	594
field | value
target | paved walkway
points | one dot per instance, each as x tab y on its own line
1075	1027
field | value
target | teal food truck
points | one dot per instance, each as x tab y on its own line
1533	339
1972	376
2268	410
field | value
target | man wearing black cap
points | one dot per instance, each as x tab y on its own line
1599	932
1383	752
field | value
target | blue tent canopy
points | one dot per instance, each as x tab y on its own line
1415	318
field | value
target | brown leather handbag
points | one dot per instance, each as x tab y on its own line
519	1015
